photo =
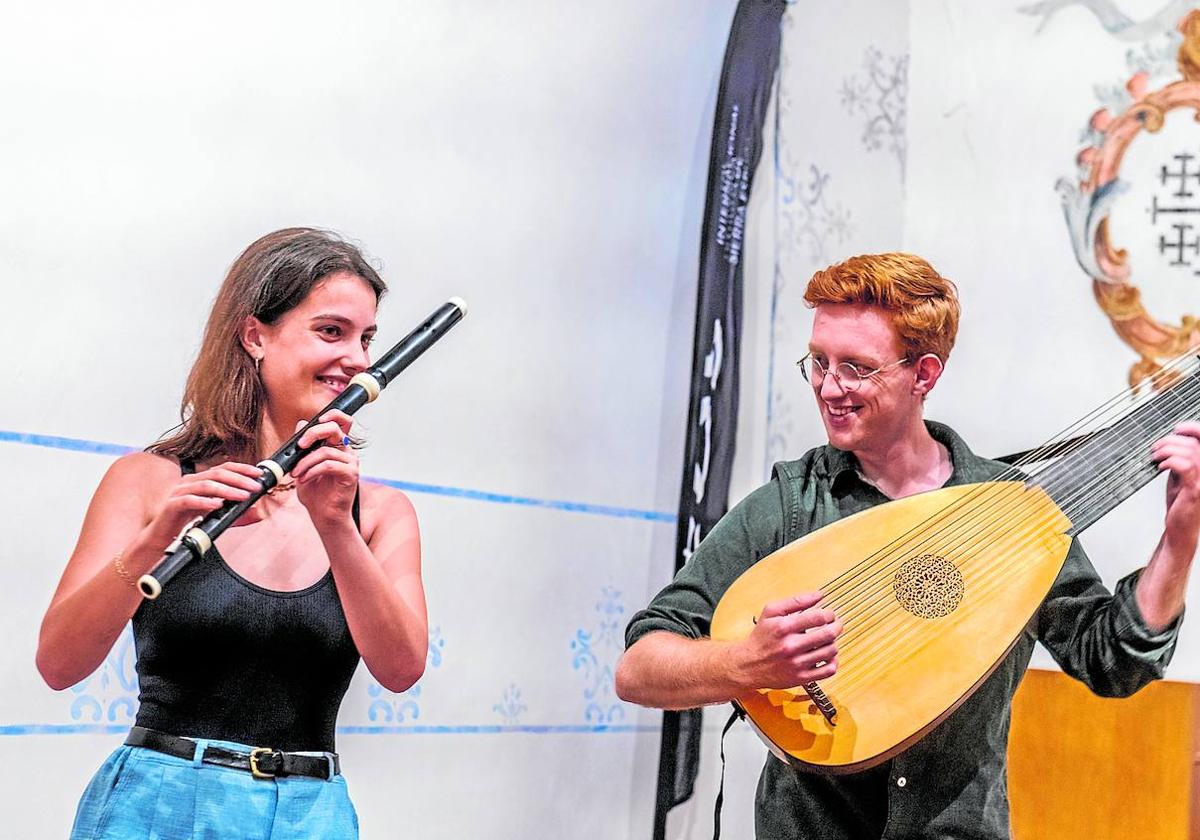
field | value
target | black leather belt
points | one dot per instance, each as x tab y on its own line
261	762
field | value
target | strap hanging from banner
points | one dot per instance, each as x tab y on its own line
737	713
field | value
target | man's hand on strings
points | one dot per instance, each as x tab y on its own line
1179	453
793	642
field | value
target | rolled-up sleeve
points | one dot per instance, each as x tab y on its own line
1099	638
751	530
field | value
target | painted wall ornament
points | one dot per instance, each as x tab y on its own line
109	695
1115	22
881	95
1173	211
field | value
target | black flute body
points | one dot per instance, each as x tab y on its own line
198	538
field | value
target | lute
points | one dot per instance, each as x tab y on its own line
933	590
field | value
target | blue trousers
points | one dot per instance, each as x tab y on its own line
140	794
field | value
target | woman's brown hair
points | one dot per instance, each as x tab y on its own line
223	398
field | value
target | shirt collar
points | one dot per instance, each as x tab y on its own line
967	466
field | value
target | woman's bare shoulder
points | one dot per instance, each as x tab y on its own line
385	500
385	508
144	473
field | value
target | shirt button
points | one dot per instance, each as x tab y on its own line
901	782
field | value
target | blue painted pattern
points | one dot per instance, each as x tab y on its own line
595	653
110	693
391	707
510	706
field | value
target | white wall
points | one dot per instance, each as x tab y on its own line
544	160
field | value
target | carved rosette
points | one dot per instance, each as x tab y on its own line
1088	205
928	586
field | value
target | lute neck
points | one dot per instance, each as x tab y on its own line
1096	475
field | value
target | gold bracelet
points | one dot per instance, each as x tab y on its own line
122	572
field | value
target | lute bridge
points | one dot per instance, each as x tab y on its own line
821	700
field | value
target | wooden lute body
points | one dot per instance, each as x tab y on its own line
933	590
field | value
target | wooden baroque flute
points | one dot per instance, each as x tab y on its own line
198	538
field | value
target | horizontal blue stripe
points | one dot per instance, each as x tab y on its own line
95	447
500	498
63	729
564	729
483	729
70	444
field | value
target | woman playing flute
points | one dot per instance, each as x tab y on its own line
244	659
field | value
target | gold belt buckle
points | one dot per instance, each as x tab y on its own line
254	769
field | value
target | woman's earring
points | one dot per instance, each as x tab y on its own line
257	362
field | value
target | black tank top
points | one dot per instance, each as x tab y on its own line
221	658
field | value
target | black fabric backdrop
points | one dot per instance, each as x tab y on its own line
751	60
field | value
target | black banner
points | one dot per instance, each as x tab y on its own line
751	59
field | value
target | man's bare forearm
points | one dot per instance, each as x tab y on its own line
1162	587
667	671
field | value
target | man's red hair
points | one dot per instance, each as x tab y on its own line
921	304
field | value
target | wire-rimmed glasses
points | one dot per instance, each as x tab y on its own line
848	376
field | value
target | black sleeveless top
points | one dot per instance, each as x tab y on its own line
221	658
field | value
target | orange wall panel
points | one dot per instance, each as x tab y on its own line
1082	766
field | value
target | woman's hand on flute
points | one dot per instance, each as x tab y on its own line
327	478
201	493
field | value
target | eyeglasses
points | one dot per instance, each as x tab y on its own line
849	376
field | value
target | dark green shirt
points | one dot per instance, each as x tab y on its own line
952	783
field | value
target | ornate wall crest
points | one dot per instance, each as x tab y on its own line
1165	187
